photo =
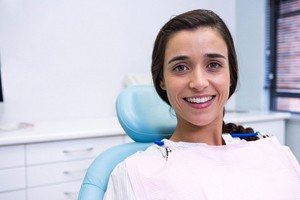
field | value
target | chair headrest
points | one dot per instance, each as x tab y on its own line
144	116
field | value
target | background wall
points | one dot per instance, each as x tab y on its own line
250	43
293	136
65	59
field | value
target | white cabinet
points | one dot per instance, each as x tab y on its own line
50	152
271	123
63	191
49	170
55	170
12	156
12	172
274	127
12	179
14	195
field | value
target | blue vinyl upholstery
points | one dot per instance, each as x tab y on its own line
145	118
143	115
95	182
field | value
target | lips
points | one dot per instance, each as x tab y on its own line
200	102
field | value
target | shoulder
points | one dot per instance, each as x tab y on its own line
119	185
152	150
121	170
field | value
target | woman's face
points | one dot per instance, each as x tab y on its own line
196	76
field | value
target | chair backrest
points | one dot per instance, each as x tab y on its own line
145	118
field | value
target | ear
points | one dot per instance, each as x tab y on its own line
162	85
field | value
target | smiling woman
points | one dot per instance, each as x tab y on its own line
194	70
197	47
196	78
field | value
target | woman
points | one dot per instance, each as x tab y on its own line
194	70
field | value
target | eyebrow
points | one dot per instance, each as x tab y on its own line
176	58
214	55
209	55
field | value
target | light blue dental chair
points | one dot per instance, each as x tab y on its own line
145	118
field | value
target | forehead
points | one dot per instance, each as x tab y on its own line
198	41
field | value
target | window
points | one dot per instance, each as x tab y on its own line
284	76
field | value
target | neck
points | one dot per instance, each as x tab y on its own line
209	134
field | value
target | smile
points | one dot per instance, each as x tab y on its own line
199	100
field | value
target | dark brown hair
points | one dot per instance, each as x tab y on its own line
190	21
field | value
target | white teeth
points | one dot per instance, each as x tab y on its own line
199	100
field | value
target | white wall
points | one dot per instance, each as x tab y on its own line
293	137
250	42
64	59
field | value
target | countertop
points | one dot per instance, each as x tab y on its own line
254	116
88	128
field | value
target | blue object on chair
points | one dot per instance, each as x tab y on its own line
145	118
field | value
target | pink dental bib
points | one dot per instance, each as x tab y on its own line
255	170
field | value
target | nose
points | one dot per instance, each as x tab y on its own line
198	80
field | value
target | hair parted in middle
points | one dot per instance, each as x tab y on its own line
192	20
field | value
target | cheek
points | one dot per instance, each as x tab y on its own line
222	84
171	93
173	88
226	86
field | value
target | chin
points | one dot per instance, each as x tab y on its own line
202	121
199	122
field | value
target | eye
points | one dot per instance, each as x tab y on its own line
214	66
180	68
